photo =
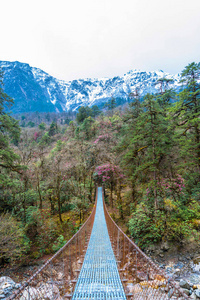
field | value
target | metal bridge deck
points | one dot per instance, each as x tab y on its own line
99	277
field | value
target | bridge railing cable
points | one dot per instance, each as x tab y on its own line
57	277
141	277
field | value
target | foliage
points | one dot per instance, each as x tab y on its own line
45	140
41	226
53	129
111	104
13	242
186	113
9	130
145	154
60	242
85	111
86	127
144	227
172	224
31	124
42	126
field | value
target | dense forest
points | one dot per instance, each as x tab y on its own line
146	153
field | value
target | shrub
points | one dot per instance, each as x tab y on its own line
145	228
41	228
174	223
13	241
60	242
178	231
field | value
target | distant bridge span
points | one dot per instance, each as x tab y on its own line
99	262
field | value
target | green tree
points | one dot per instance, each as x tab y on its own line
53	129
67	120
9	131
95	111
83	113
86	127
45	140
13	242
146	146
111	104
164	84
31	124
186	115
129	146
42	126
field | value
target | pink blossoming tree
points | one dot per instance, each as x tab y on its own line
109	175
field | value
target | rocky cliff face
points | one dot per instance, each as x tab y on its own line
34	90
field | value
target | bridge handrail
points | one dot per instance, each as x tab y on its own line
88	223
110	223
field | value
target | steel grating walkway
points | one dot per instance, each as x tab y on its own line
99	277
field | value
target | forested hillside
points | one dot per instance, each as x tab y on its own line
147	155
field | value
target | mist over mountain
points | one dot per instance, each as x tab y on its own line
34	90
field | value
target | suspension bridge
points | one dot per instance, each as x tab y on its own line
99	262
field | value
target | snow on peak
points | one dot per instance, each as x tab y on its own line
65	95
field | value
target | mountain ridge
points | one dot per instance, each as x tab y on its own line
35	90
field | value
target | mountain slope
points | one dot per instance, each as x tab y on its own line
34	90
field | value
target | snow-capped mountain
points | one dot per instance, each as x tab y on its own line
34	90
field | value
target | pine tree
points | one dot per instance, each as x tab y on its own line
129	145
147	144
95	111
186	113
164	84
9	131
53	129
83	113
111	104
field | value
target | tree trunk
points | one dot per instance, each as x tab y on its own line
90	189
111	195
52	205
154	158
59	208
119	200
133	193
40	197
197	137
24	208
24	198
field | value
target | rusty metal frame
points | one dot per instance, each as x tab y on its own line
144	273
99	277
65	263
57	277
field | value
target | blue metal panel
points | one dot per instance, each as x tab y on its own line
99	277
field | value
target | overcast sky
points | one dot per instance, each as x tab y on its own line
73	39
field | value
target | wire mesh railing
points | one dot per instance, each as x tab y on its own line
99	277
141	277
57	277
